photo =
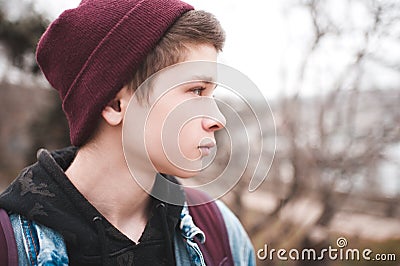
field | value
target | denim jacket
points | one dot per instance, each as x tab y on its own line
40	245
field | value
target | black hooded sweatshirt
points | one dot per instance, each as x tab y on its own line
44	194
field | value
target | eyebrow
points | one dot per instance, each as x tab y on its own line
208	79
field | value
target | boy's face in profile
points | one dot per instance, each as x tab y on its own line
176	144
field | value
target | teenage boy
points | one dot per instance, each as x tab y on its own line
80	205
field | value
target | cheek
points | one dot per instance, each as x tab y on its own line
152	135
183	136
154	125
185	159
189	139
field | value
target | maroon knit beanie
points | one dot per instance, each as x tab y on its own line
90	52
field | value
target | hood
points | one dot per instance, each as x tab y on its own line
44	194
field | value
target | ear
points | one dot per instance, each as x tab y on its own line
115	110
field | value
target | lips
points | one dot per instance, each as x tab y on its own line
205	148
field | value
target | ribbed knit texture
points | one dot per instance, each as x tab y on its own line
89	53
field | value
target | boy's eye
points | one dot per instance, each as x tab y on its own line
198	91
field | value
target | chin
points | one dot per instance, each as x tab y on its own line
186	174
185	171
182	173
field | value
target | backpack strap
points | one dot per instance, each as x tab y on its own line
8	246
216	250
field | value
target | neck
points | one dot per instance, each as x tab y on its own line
100	173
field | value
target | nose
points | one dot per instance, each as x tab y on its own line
214	123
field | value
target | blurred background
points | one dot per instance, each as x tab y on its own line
330	71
